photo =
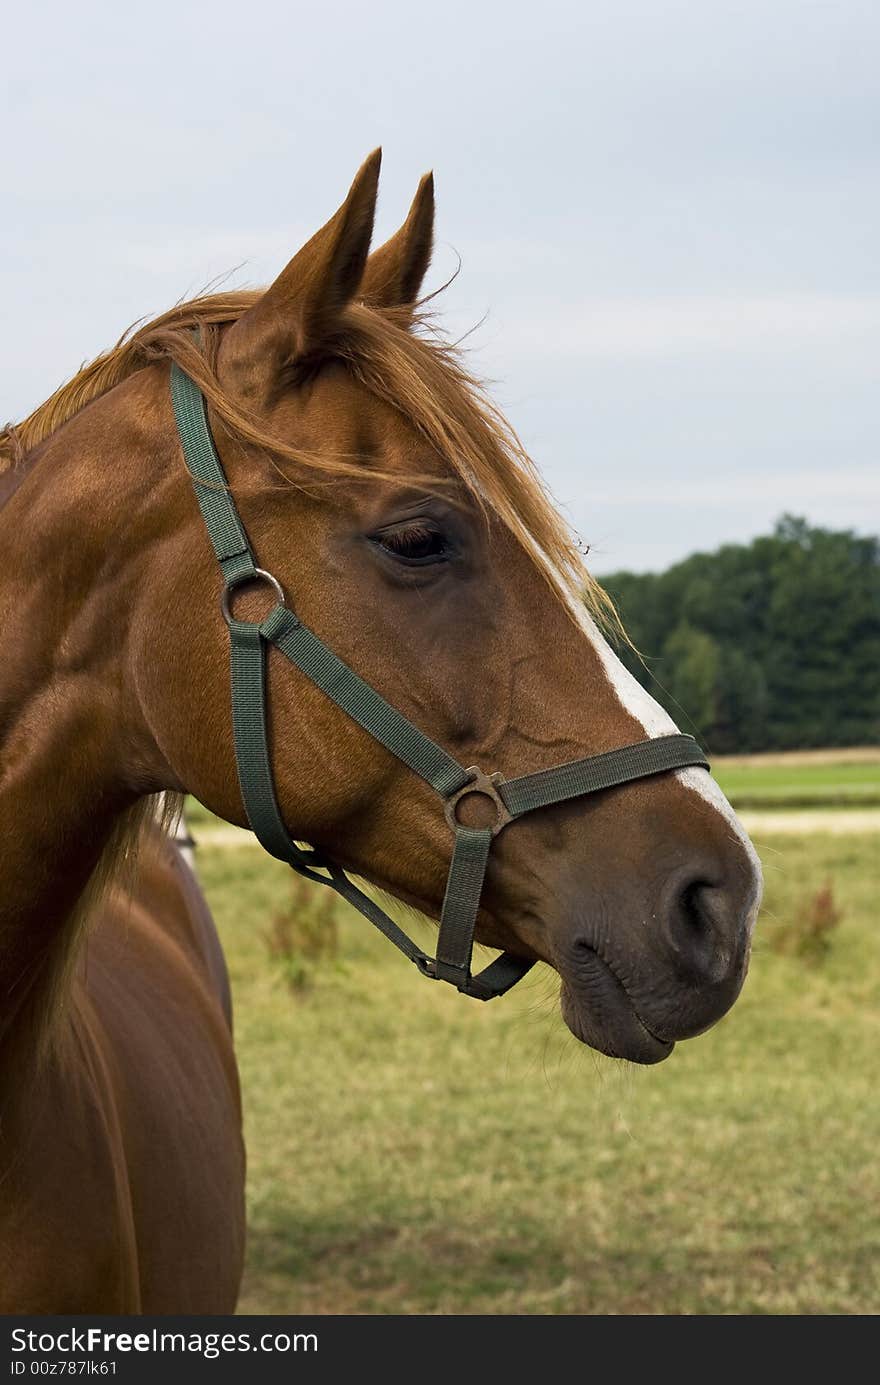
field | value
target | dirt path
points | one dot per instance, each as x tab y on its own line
839	822
790	759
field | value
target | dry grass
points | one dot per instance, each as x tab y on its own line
848	755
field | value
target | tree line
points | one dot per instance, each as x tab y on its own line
763	646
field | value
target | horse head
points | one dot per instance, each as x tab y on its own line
408	529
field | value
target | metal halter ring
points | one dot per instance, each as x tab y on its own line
478	783
259	573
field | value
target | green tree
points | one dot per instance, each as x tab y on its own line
766	645
691	669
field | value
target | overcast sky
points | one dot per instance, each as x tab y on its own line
668	213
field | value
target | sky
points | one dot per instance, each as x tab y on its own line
667	216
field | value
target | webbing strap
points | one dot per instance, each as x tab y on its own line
248	665
464	886
461	903
362	703
604	771
391	728
348	891
222	521
258	790
388	726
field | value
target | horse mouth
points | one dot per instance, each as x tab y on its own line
599	1011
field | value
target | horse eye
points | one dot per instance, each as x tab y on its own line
416	542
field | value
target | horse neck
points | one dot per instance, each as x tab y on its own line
72	559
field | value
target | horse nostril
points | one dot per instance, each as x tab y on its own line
697	933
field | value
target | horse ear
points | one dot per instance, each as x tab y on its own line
394	272
299	312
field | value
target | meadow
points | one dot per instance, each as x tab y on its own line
803	779
412	1151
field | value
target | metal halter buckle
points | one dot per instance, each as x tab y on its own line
258	574
478	783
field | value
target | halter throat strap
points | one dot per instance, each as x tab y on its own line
453	782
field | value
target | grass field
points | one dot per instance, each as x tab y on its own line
412	1151
777	782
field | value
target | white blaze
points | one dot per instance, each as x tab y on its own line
656	722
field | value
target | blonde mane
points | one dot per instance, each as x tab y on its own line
400	360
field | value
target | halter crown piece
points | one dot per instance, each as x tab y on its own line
511	797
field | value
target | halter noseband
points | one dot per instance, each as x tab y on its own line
511	797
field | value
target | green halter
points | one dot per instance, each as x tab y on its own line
511	797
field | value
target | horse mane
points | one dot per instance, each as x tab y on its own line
402	359
30	1023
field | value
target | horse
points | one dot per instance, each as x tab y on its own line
411	531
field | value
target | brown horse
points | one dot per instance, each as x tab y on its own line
410	532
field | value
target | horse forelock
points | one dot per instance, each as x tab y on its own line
401	358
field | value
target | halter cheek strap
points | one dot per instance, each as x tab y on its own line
471	846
